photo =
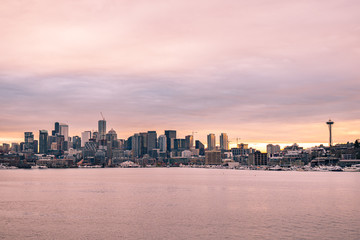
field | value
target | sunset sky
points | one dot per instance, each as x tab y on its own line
260	70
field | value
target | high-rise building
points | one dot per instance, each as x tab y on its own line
189	142
144	141
136	145
111	138
162	143
211	141
76	142
201	147
43	141
35	146
56	129
224	141
170	136
85	137
101	130
29	142
64	131
151	140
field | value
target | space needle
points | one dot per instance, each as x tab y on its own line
330	123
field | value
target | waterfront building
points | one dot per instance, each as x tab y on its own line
43	141
211	142
272	150
224	141
257	159
213	157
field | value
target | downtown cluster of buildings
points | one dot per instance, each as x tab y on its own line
104	148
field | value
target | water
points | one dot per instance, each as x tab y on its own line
178	203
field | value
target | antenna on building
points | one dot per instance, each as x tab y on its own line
102	116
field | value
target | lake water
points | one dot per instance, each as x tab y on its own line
178	203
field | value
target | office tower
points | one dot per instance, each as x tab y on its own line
151	140
6	147
15	147
64	131
76	142
136	145
29	142
85	137
170	136
162	143
95	136
111	138
35	146
201	147
144	140
224	141
179	144
211	141
111	135
330	123
128	143
56	130
43	141
101	130
189	142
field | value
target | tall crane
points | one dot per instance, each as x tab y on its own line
102	116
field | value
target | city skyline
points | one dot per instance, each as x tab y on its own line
217	137
262	71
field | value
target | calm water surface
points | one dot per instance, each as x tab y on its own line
178	203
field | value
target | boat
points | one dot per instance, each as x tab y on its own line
352	169
276	168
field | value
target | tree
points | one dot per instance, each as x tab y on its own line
357	145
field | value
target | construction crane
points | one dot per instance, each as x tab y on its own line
102	116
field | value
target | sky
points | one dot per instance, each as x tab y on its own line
264	71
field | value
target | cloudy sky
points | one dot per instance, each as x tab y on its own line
259	70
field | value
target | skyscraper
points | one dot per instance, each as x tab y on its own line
201	147
101	130
43	141
162	143
189	142
224	141
211	141
170	136
85	136
29	142
64	131
136	145
151	140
